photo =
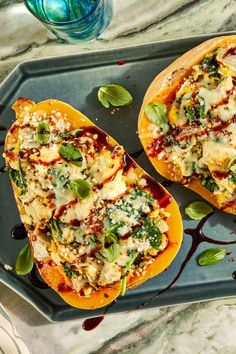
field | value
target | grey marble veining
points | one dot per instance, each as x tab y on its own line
202	328
23	37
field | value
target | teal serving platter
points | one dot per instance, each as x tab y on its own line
75	79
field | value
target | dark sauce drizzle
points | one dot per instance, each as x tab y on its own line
91	323
19	232
35	280
137	153
2	169
167	183
234	275
197	238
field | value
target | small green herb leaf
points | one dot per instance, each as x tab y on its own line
71	133
157	113
133	255
115	95
80	188
71	153
102	98
25	261
112	252
198	210
211	256
43	133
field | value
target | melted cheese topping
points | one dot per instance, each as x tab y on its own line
204	110
92	236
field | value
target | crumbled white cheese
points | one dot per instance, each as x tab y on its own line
213	96
8	267
40	251
114	188
110	273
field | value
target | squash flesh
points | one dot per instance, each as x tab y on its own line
163	89
51	272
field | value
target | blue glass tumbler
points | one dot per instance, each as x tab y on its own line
73	20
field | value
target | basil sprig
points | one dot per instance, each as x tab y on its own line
133	256
71	153
156	112
111	245
112	252
211	256
198	210
25	261
115	95
80	188
42	133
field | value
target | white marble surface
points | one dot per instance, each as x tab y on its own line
203	328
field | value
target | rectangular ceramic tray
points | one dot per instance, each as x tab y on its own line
75	79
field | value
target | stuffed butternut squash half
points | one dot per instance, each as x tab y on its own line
97	223
187	123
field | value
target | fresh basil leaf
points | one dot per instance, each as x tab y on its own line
102	98
43	133
112	252
71	133
211	256
115	95
71	153
25	261
157	113
80	188
133	255
110	237
198	210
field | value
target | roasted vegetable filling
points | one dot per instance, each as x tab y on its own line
195	133
92	210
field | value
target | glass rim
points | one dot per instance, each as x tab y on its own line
62	22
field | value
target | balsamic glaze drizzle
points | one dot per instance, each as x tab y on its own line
2	128
197	238
34	279
19	232
136	154
2	169
234	275
167	183
91	323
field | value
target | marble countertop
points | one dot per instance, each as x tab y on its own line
202	328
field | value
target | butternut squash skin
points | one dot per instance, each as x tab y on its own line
161	89
52	273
